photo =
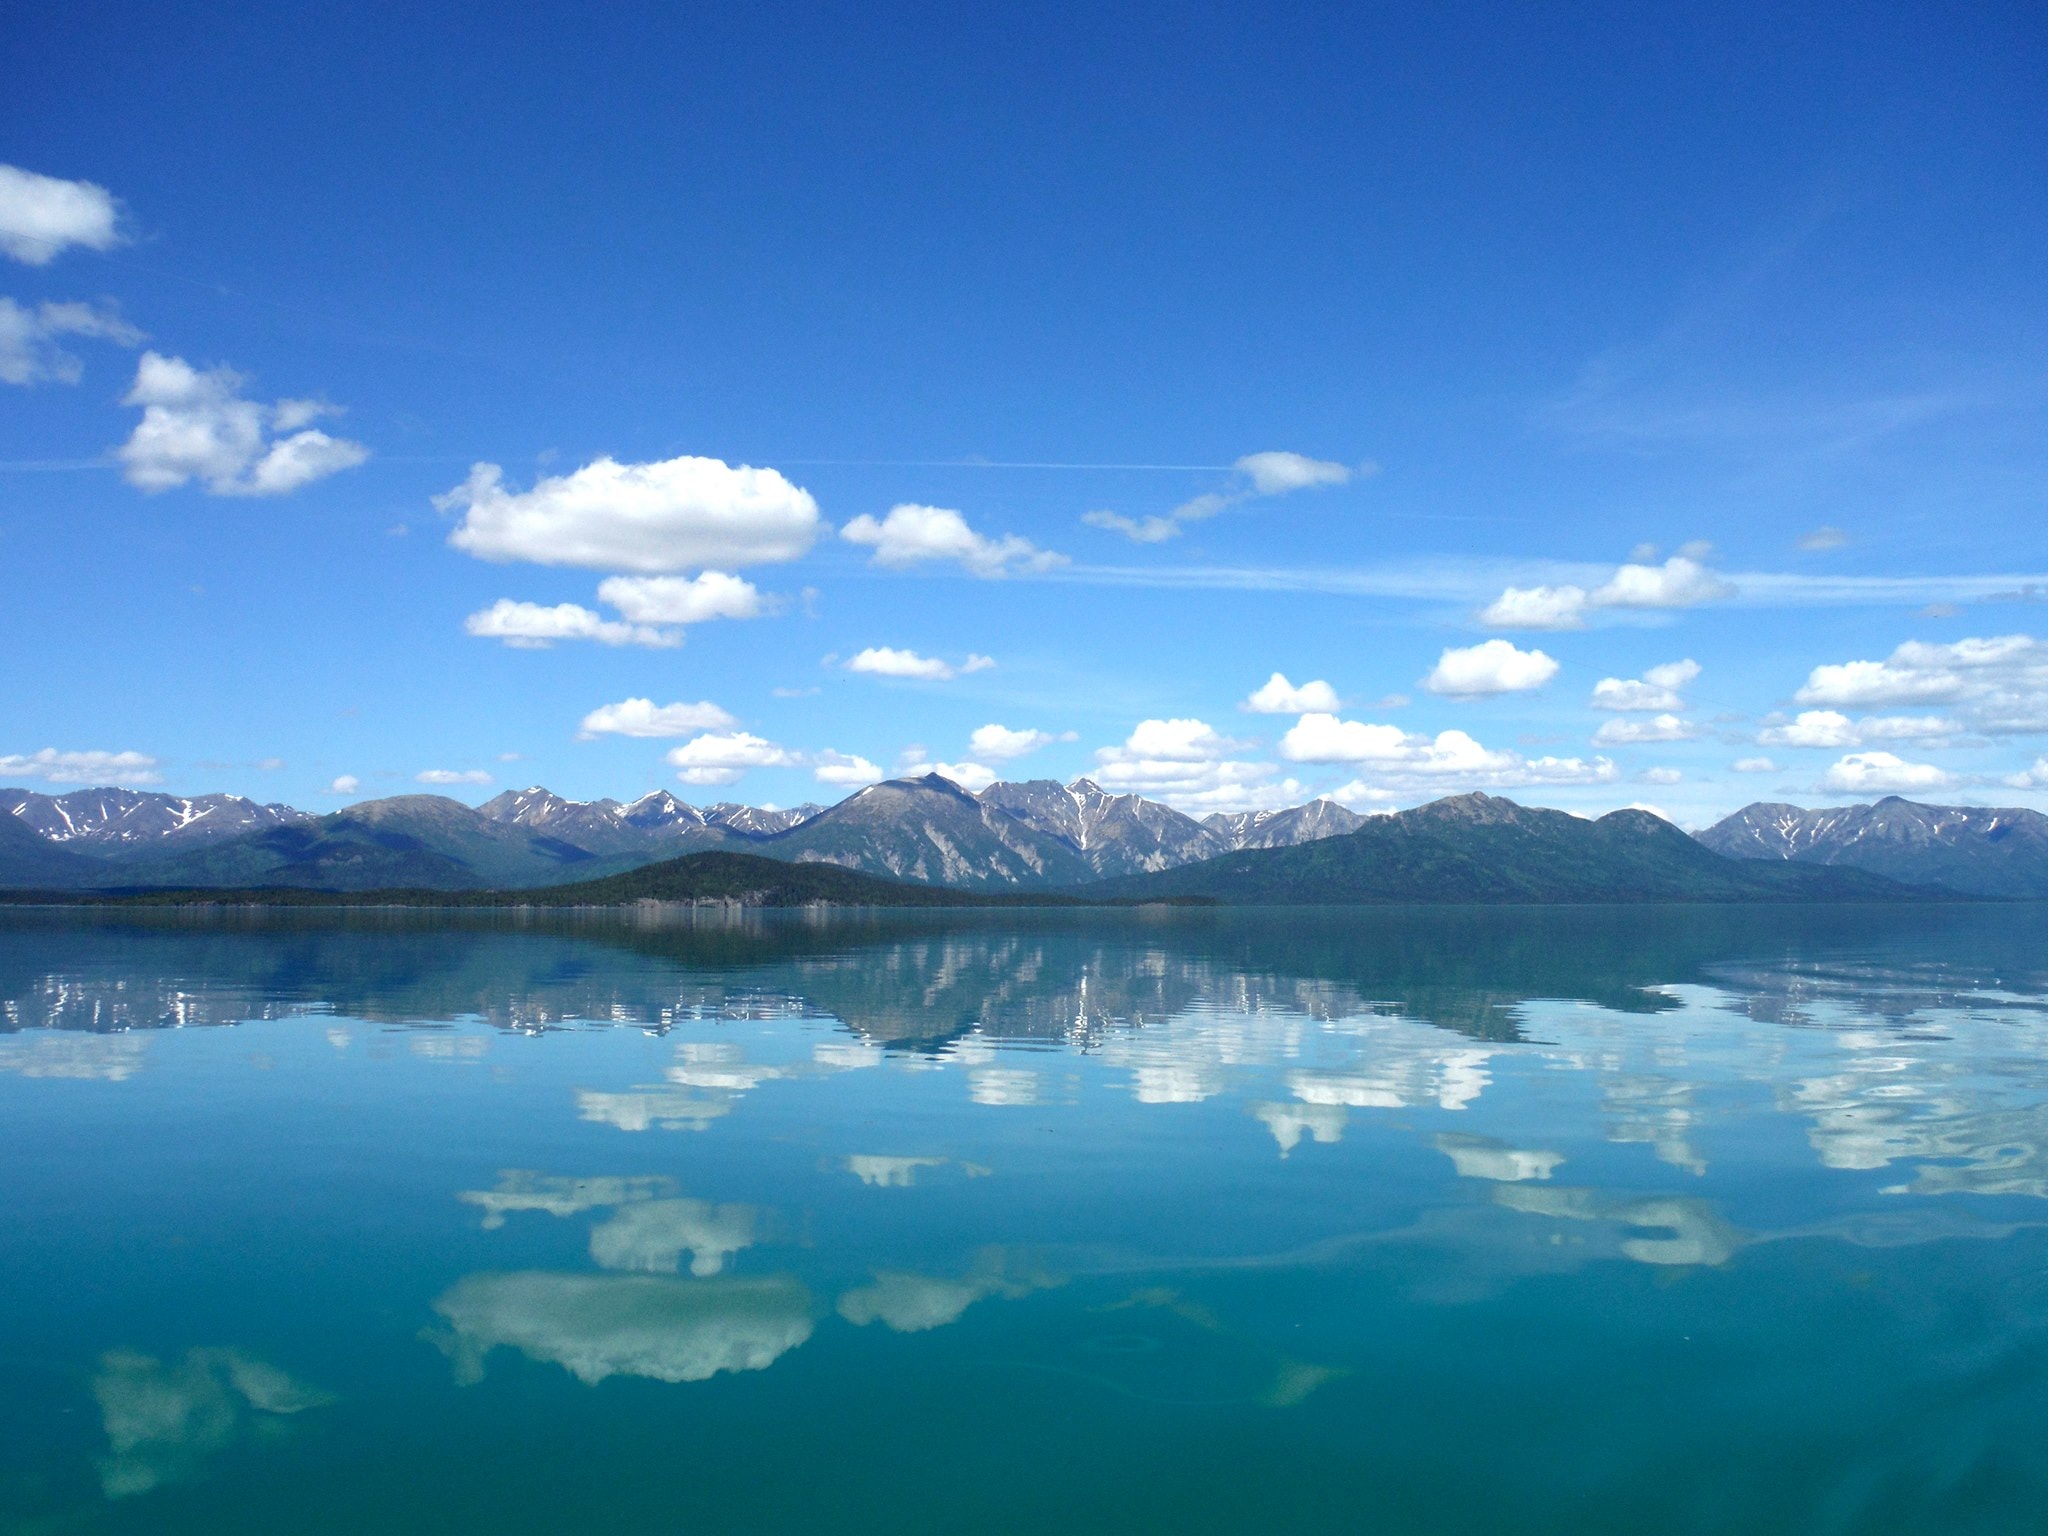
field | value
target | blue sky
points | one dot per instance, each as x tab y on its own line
1096	366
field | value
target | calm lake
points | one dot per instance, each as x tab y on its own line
1571	1220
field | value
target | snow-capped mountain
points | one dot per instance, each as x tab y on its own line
1281	829
657	822
114	822
1974	850
931	829
1114	834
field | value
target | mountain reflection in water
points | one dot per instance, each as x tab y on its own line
637	1219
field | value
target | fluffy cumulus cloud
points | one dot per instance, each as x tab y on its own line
1000	744
31	339
1188	763
50	766
653	608
1254	477
452	777
1683	581
1664	727
536	626
888	661
972	777
2035	777
645	718
1998	685
1400	759
196	426
721	757
1560	607
1680	582
344	784
682	599
914	535
845	770
1180	741
1656	689
1491	667
41	217
1277	696
1874	773
1832	729
669	515
1755	765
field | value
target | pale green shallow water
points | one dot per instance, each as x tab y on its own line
1573	1221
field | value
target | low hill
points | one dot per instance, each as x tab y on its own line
1479	848
742	879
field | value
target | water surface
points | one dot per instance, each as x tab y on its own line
1446	1221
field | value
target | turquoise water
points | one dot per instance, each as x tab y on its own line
1573	1221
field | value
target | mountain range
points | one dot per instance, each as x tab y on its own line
1967	849
1032	836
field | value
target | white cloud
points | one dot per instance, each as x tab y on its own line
1560	607
2000	684
1672	674
1277	696
682	599
1275	474
912	534
537	626
845	769
1198	788
1656	690
196	426
663	516
1823	538
1401	758
29	349
645	718
1755	765
888	661
1661	776
1883	773
2035	777
1680	582
43	216
1183	741
54	767
452	776
1257	476
344	784
972	777
1665	727
721	758
1831	728
1000	744
1323	738
1139	530
1491	667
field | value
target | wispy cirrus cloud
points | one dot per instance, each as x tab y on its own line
1255	477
